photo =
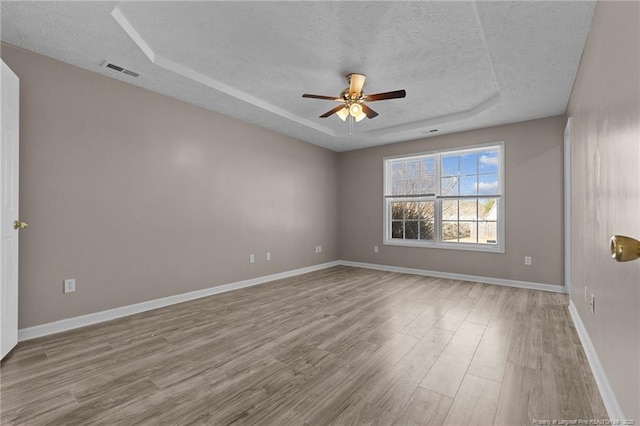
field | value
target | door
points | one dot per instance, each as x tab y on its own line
9	222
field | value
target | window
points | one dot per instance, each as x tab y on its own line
446	199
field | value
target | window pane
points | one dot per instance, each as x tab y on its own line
469	185
450	166
413	187
469	164
411	230
450	231
449	186
487	232
428	176
411	210
396	229
427	230
488	184
488	161
468	232
426	210
412	169
398	187
397	210
467	210
427	186
449	209
397	170
487	209
428	167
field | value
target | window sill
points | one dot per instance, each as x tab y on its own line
447	246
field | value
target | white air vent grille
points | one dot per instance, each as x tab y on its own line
118	68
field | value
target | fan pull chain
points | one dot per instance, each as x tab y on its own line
350	125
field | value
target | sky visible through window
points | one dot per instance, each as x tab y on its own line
470	174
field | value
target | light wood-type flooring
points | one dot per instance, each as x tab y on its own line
341	346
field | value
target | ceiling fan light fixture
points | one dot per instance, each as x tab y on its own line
360	117
343	113
355	110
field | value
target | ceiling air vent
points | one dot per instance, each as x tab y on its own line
131	73
118	68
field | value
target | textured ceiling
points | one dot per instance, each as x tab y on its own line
464	65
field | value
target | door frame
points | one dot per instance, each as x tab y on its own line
567	207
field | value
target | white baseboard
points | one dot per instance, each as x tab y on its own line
97	317
89	319
608	397
461	277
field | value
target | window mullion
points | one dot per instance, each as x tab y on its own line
387	219
438	176
437	214
437	220
468	197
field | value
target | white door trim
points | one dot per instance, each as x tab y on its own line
567	207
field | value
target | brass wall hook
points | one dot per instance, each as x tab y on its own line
624	248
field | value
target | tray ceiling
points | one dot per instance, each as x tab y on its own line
464	65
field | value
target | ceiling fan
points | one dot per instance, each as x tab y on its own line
353	100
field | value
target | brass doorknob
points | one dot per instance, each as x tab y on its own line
624	248
19	225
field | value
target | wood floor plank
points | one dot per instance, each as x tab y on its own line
507	300
338	346
513	405
425	408
386	394
447	373
438	305
565	395
92	410
423	322
487	303
42	411
453	318
475	403
392	393
526	345
333	396
363	414
490	359
595	400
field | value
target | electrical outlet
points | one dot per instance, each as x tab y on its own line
592	303
319	249
375	249
252	258
268	255
527	260
69	285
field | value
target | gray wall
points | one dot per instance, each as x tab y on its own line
605	107
138	196
533	196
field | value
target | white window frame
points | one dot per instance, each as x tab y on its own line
437	243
